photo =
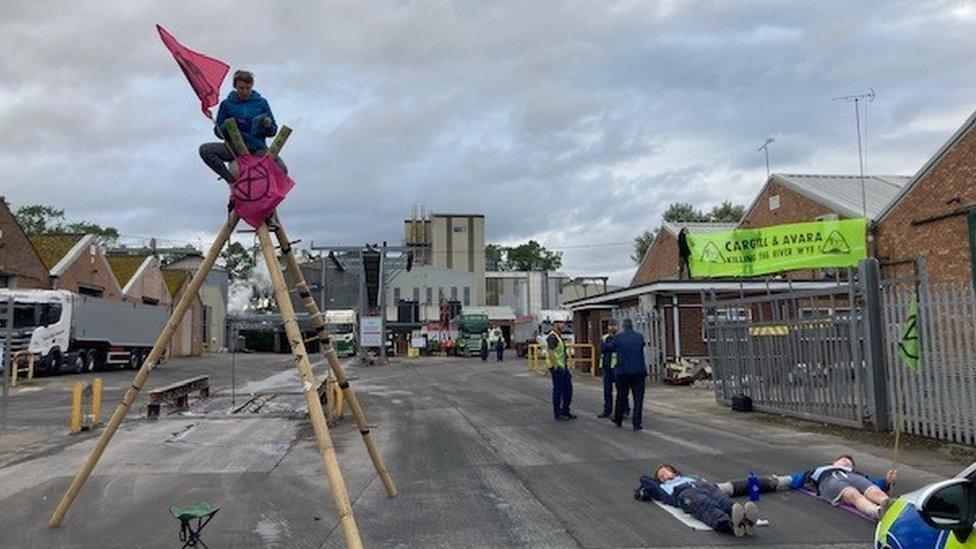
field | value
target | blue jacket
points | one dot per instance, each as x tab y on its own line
629	346
248	115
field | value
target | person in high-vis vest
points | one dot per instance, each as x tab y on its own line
557	359
608	363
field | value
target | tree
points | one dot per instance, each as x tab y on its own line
683	212
239	262
494	257
41	219
532	256
642	242
727	212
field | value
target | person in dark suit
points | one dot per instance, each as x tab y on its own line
630	373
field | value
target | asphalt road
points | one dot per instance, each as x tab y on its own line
473	449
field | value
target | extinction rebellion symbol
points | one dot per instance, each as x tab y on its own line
252	185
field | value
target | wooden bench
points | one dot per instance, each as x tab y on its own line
177	394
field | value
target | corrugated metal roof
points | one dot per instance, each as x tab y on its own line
842	193
703	227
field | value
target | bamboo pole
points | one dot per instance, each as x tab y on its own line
330	355
310	389
236	140
147	367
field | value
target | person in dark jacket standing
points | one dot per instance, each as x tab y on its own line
608	363
500	348
684	253
630	373
254	119
484	349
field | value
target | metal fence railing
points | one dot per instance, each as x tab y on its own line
939	399
651	324
797	353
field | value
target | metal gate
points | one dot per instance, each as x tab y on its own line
650	323
939	399
798	353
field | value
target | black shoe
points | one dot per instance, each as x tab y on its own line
638	428
619	424
570	416
603	416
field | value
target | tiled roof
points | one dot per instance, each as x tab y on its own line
52	247
174	280
124	266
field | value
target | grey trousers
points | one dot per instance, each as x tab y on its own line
217	155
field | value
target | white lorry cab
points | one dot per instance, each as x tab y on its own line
75	333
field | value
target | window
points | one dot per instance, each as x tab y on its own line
430	296
396	295
205	325
4	281
467	296
774	202
416	294
725	316
89	290
440	295
453	293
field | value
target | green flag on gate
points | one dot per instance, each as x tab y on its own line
764	250
908	345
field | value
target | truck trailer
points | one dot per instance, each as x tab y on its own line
68	332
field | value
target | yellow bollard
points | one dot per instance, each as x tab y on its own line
96	405
76	389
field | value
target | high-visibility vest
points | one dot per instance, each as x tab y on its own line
556	358
613	355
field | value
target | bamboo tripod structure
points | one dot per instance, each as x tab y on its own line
297	344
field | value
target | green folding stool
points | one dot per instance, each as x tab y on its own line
190	532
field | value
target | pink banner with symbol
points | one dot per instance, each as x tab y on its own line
204	73
259	188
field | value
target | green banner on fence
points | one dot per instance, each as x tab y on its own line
751	252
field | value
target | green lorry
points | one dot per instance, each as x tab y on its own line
469	329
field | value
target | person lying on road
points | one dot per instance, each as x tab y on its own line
838	483
702	499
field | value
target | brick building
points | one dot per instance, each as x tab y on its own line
140	278
935	215
76	263
20	265
795	198
660	261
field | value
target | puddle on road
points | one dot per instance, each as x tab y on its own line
270	530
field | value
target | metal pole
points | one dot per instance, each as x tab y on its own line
362	304
233	365
874	346
860	156
381	301
5	365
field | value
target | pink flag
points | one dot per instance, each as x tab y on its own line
259	188
204	73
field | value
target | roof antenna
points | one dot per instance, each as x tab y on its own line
861	153
765	149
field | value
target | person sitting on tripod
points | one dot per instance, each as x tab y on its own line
254	120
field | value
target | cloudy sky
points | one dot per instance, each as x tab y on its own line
574	123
